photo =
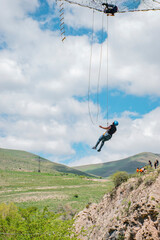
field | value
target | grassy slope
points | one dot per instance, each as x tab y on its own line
20	160
128	164
53	190
56	186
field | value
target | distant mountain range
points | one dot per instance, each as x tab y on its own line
128	164
17	160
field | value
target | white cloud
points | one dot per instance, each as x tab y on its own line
133	136
40	77
80	17
133	46
11	75
134	52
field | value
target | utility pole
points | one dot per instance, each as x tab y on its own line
39	165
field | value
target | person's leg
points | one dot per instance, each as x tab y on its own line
99	140
102	143
107	11
105	138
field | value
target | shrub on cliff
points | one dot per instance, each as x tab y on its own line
119	177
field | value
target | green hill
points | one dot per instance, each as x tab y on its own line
128	164
16	160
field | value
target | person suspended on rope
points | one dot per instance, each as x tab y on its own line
110	130
110	8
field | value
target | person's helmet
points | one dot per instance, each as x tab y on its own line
116	123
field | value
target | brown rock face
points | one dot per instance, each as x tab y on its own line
130	212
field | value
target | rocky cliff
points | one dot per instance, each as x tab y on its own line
132	211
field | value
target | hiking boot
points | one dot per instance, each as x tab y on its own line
98	150
93	147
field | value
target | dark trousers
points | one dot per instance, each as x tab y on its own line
103	139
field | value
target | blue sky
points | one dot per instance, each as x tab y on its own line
44	82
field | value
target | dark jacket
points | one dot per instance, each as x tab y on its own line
112	130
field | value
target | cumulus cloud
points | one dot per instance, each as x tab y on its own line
134	54
11	75
133	48
132	137
44	83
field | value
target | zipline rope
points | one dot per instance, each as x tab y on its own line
107	83
90	66
99	71
100	10
100	66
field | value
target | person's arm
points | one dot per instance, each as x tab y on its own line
106	128
110	6
105	4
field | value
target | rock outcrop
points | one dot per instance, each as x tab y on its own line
132	211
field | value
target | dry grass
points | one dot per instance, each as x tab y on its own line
40	189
